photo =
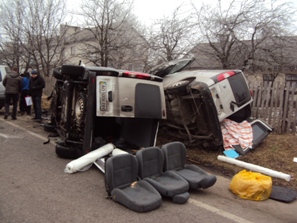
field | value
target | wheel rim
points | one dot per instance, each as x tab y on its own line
79	108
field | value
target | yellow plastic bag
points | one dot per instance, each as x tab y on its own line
251	185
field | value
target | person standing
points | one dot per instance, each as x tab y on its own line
36	86
13	84
24	93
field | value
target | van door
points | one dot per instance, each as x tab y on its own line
260	131
3	71
129	98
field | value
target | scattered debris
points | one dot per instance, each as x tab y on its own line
85	162
256	168
251	185
231	153
283	194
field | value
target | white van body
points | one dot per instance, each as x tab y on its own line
197	101
3	71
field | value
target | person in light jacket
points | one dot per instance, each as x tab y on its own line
36	86
13	84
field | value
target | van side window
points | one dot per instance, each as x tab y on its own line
0	77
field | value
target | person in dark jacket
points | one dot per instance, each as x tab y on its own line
25	93
36	86
13	84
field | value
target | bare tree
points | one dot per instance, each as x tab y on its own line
33	26
173	36
237	33
113	38
11	22
266	28
277	56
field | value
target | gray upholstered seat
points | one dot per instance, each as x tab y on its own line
169	183
122	185
175	159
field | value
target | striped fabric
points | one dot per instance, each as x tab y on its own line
237	134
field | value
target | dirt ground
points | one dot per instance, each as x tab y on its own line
276	153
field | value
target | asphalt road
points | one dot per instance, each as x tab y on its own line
34	188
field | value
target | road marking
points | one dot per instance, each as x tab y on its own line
191	201
218	211
12	137
31	133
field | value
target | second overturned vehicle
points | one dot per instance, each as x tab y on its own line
198	101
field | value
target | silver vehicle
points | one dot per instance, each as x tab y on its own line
199	100
92	106
3	71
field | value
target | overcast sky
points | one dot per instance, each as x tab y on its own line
149	10
146	10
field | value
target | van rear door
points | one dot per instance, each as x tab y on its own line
130	98
260	131
3	71
136	101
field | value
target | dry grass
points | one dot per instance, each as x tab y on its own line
276	153
45	104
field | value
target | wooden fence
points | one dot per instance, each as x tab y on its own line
276	103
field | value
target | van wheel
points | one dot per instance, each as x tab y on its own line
80	111
57	74
49	128
180	87
66	152
74	72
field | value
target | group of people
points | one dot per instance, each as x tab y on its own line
26	89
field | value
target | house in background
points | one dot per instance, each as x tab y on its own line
125	48
274	58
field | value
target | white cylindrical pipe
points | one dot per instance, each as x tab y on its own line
117	151
86	161
256	168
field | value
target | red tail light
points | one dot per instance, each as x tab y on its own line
143	76
225	75
136	75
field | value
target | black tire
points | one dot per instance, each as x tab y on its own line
66	152
180	87
74	72
49	128
57	74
